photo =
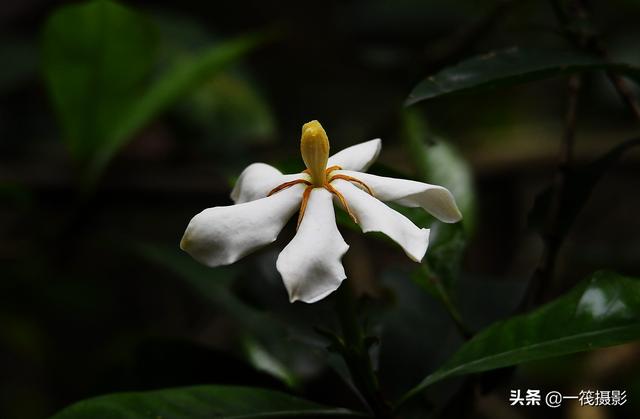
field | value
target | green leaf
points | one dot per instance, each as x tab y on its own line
446	251
509	67
96	57
229	106
438	162
579	185
181	79
603	310
206	402
406	356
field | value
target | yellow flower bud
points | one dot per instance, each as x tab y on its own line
314	146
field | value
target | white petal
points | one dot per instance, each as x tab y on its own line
257	180
222	235
357	157
374	215
434	199
311	264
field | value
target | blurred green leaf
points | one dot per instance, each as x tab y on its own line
577	190
228	110
438	162
603	310
96	57
268	342
407	355
263	360
446	248
509	67
179	80
200	402
212	284
229	106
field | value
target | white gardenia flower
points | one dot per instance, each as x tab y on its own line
311	264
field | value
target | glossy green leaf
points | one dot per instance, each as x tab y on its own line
509	67
97	56
603	310
205	402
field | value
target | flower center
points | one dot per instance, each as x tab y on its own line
314	147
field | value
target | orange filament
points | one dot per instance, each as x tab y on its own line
303	205
288	185
326	185
343	201
328	170
352	179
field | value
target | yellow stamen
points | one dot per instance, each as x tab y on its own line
314	146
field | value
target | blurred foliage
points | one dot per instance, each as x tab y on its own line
271	336
97	59
262	335
439	163
97	55
201	402
226	110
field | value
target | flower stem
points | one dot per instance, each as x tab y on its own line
451	308
355	351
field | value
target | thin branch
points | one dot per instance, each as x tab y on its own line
355	352
591	42
458	45
623	89
553	239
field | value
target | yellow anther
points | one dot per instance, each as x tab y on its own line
314	146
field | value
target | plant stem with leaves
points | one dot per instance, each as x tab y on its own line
354	348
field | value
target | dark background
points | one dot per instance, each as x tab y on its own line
86	308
